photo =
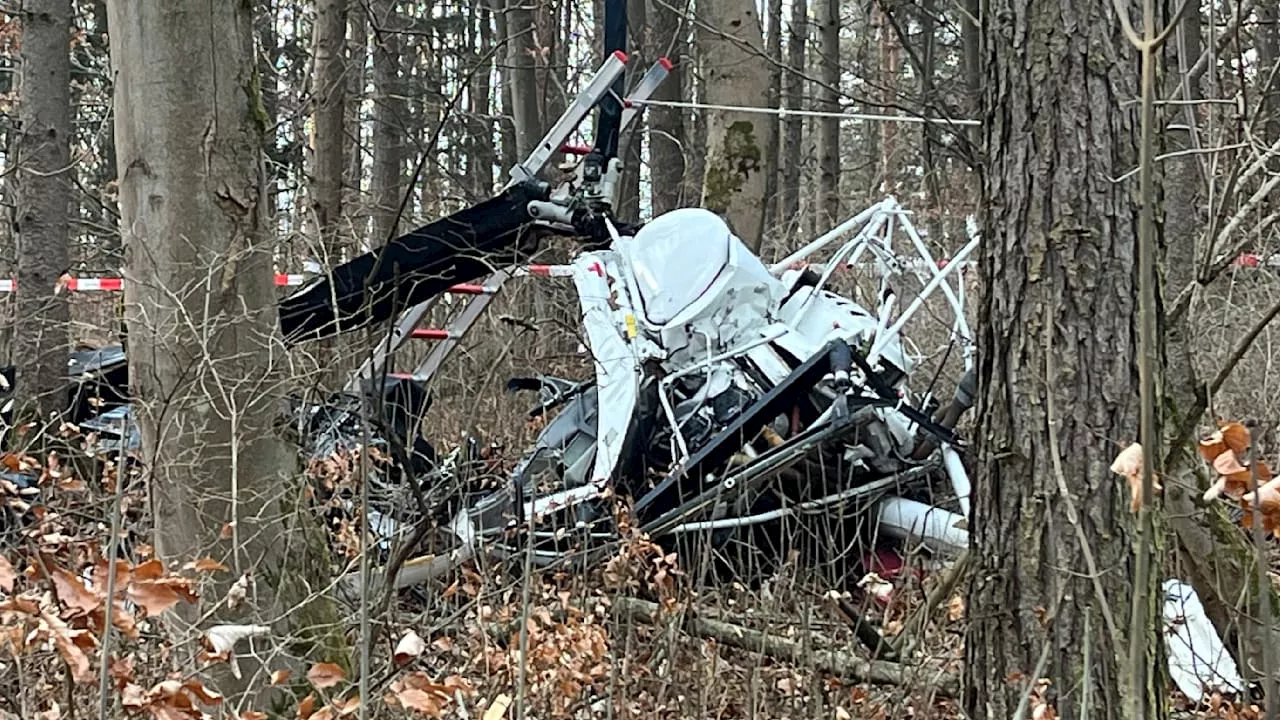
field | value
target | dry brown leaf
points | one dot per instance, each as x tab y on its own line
1228	464
124	574
150	570
325	675
205	564
422	701
157	596
121	669
307	707
279	677
68	642
955	608
8	576
350	706
1268	497
409	647
1231	436
72	591
132	697
253	715
1129	464
205	695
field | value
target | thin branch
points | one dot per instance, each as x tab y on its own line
835	662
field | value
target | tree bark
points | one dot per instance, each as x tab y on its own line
971	44
629	142
328	107
357	78
482	157
772	161
204	358
45	183
665	35
792	153
390	126
1058	380
506	124
828	19
1268	42
522	49
732	46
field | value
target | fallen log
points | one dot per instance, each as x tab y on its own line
836	662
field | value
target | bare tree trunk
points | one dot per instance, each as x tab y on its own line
695	141
328	107
201	311
45	183
1268	42
507	150
733	183
390	126
929	61
971	41
522	48
269	41
328	145
357	78
772	160
631	140
665	36
828	18
792	153
553	52
1057	373
888	75
482	158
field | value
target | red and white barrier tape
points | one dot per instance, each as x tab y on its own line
115	284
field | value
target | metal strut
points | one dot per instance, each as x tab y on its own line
596	93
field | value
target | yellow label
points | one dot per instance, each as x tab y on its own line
631	325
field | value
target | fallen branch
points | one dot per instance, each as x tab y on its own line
916	625
836	662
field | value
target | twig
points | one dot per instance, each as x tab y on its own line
1224	372
835	662
1140	640
113	548
918	623
1073	517
880	646
1025	703
525	602
1262	564
366	641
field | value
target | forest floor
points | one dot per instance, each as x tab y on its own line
637	637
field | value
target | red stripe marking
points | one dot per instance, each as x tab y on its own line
429	334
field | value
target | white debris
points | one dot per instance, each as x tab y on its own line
1198	659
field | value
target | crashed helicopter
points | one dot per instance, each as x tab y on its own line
715	375
714	372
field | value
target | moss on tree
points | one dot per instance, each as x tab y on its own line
739	156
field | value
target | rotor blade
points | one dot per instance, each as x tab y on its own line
411	269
